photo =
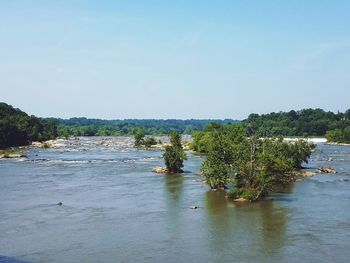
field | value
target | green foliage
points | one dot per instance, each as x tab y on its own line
253	166
339	135
174	154
234	193
307	122
96	127
139	137
149	141
223	144
200	142
17	128
196	137
141	140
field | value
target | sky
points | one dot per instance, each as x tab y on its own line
174	59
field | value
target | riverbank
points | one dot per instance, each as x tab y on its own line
315	140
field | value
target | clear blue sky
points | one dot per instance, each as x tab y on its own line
174	59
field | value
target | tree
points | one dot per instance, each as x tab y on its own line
139	137
199	142
251	166
174	154
17	128
223	146
149	141
339	135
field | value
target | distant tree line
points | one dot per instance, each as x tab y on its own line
96	127
306	122
18	128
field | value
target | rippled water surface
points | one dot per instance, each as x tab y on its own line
115	210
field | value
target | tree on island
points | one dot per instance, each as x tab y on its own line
250	166
174	154
139	137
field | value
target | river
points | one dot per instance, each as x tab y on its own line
116	210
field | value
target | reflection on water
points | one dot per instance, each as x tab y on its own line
173	198
245	227
273	222
116	210
219	216
174	185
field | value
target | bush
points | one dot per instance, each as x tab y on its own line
234	193
149	141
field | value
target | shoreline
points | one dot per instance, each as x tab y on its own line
12	153
337	143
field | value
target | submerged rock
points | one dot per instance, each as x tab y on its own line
160	170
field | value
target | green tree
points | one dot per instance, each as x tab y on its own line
18	128
223	145
139	137
174	154
149	141
251	166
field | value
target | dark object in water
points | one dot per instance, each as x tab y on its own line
59	203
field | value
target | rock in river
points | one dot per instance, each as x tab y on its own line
240	199
160	170
328	170
307	173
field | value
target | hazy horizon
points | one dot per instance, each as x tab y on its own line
174	60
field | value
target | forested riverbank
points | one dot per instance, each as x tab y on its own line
18	128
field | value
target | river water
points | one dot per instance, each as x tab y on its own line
116	210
